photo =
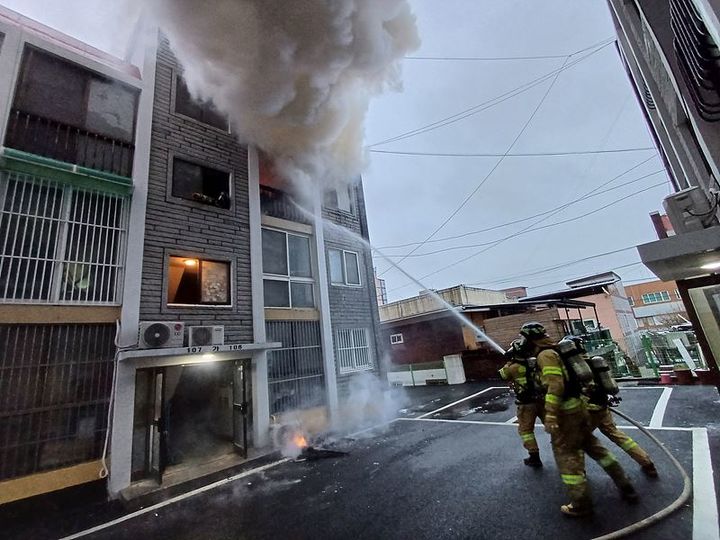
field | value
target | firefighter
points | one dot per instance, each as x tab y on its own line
601	418
520	373
567	422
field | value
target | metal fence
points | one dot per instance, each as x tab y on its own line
55	385
58	243
295	372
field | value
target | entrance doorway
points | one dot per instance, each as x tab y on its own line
190	415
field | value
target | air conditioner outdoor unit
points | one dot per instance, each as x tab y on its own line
690	210
160	335
200	336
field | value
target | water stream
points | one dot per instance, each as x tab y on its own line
452	309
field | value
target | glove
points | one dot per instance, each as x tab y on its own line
551	424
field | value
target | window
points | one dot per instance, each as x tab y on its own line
631	300
655	297
287	268
58	243
584	326
202	111
198	282
677	294
340	199
201	184
396	339
353	350
66	112
344	267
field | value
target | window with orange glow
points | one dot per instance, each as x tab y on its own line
198	282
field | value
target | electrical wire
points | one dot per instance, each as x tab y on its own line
564	281
494	168
527	154
527	231
491	102
486	58
546	212
464	259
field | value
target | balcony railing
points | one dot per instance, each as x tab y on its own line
63	142
276	203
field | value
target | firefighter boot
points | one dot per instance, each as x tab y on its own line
573	510
533	460
627	491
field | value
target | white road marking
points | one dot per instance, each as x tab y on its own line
512	420
705	512
659	412
461	400
174	500
482	423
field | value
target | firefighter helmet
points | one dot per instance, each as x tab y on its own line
533	330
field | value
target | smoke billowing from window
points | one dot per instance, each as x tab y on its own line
295	77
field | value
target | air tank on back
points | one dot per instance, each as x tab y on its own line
601	370
573	353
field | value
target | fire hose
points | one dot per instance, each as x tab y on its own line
665	512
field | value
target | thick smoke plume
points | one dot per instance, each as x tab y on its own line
294	76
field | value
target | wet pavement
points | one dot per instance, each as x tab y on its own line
447	475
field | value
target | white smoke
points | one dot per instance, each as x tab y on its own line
294	76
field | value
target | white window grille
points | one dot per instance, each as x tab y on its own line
60	244
353	350
396	339
656	297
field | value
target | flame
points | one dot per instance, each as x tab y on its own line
299	440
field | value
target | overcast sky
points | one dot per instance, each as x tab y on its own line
590	107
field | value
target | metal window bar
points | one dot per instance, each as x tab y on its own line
54	392
353	350
296	372
60	244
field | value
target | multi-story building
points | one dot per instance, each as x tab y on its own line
70	130
127	205
657	305
670	50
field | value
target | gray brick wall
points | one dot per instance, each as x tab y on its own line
186	228
354	307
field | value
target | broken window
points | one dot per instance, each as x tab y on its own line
200	184
202	111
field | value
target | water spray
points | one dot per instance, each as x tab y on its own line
436	296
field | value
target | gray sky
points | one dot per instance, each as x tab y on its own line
590	107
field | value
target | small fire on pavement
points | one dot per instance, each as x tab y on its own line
308	452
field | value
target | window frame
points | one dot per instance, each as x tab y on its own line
200	257
355	368
394	339
292	279
171	198
652	297
176	75
345	282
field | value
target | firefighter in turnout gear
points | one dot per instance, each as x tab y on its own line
601	418
567	422
521	375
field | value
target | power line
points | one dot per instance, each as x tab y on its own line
486	58
520	154
564	281
526	231
464	259
490	103
547	269
515	222
494	168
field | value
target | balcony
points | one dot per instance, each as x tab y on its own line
44	137
278	204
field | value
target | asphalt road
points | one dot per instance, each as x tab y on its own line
447	475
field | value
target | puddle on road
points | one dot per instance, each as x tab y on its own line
490	403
